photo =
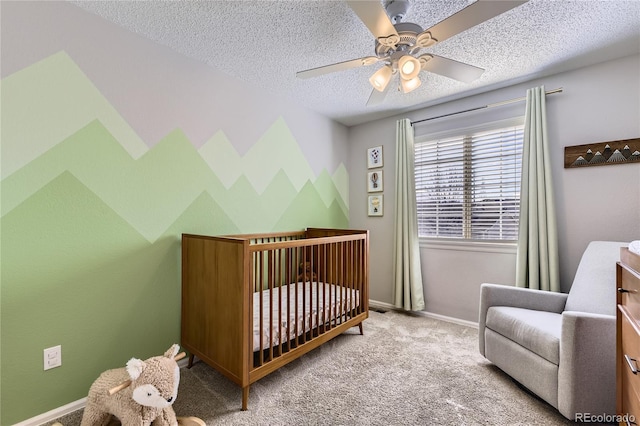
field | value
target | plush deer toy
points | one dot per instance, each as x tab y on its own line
138	395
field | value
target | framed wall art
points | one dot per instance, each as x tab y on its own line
602	153
374	157
375	181
375	206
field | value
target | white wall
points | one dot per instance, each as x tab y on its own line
599	103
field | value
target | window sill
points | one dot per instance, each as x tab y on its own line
469	245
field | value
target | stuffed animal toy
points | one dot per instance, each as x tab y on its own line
305	273
138	395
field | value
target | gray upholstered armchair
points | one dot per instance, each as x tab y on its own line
562	347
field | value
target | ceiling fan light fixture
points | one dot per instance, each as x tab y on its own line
380	79
410	85
409	67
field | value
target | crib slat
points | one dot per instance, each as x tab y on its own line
323	288
295	320
289	265
361	276
304	298
314	262
343	281
330	278
279	286
356	271
270	279
336	280
260	281
352	282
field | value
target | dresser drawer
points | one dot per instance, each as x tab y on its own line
629	283
630	348
630	259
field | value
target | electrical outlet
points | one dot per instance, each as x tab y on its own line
53	357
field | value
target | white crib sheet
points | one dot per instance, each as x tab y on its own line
318	298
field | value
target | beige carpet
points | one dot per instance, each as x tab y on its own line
405	370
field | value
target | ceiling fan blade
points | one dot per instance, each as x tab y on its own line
376	97
340	66
373	15
452	69
472	15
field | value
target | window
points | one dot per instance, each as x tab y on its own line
468	185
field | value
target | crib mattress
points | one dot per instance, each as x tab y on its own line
317	303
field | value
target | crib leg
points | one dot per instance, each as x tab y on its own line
190	361
245	398
361	330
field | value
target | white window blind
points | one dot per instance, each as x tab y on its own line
468	186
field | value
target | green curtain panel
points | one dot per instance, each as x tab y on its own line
408	292
537	258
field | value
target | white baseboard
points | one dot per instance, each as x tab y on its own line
54	414
448	319
382	305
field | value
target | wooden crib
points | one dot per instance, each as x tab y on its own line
248	306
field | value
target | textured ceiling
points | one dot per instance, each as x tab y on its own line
266	42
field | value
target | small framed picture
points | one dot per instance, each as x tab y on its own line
375	181
374	157
375	205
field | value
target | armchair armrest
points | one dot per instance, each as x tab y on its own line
587	369
517	297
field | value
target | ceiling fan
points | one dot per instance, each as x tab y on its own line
398	44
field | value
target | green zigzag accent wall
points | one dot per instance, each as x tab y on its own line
91	226
152	191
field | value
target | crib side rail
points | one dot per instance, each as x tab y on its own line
269	236
305	289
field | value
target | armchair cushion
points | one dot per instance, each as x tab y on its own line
537	331
501	295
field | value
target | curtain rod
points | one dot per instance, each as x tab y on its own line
496	104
